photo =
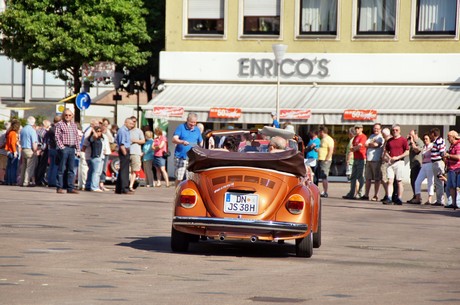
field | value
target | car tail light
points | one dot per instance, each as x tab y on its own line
187	198
295	204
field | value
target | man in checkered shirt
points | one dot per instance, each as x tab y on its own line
67	144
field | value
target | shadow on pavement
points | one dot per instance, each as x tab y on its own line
406	208
216	248
435	211
155	243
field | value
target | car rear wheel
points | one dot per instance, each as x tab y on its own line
304	246
317	235
179	241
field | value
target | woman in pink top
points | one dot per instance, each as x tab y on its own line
452	160
160	146
426	172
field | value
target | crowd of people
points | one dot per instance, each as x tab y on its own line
62	155
379	159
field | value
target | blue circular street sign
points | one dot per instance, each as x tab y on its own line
83	101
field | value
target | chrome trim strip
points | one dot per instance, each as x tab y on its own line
239	223
246	167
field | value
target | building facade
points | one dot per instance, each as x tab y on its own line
347	61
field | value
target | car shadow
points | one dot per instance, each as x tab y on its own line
212	247
155	243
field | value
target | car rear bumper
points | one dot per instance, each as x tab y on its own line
240	224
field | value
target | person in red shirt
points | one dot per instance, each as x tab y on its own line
359	161
452	160
12	147
396	149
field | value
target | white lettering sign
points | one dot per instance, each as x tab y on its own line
302	68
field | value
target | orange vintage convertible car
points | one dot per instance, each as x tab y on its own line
247	196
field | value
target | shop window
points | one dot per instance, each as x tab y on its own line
436	17
376	17
205	17
261	17
6	77
318	17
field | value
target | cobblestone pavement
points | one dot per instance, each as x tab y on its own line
102	248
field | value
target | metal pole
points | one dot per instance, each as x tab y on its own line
278	93
137	109
115	114
278	50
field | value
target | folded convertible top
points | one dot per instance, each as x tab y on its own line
289	161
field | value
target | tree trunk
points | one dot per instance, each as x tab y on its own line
76	89
148	87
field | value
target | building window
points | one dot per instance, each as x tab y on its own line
436	17
376	17
261	17
6	77
206	17
2	6
318	17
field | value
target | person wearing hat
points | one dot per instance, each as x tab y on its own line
452	160
275	122
396	149
359	161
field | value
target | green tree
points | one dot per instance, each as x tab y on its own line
61	35
156	29
140	77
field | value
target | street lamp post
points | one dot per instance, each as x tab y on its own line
118	76
278	50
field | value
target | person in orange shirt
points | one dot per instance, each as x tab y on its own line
12	148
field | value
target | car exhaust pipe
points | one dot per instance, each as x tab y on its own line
254	239
221	236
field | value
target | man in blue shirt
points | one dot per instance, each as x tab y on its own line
29	144
124	142
311	157
275	123
185	137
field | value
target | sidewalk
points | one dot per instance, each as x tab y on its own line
339	189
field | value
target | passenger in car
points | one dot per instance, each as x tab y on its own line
231	143
277	144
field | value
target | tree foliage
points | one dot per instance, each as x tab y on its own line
61	35
155	20
156	29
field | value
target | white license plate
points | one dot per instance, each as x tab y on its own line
239	203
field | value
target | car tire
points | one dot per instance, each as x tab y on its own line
317	235
304	246
179	241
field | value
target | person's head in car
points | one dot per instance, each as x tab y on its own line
231	143
277	144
